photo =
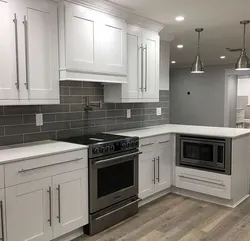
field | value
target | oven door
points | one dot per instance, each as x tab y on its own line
112	180
207	154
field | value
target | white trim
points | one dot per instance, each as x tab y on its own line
120	12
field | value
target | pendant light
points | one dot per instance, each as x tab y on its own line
197	66
243	62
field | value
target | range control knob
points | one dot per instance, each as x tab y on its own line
112	148
132	144
136	143
96	150
107	149
123	145
102	149
128	144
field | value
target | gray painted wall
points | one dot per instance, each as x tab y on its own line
205	104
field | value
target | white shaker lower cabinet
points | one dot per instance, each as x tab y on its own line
163	169
2	215
70	191
146	175
154	165
28	211
143	69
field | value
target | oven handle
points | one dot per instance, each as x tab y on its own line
118	209
118	157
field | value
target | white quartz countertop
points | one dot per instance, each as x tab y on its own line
36	149
184	129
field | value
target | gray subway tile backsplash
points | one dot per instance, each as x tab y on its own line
17	123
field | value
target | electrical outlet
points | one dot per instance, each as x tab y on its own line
158	111
128	113
39	119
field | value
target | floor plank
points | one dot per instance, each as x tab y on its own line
178	218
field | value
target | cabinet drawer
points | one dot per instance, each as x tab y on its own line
1	176
162	141
147	144
204	182
38	168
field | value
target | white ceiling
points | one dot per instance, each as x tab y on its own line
219	18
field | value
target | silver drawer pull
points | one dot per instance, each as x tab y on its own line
118	209
148	144
35	168
162	142
196	179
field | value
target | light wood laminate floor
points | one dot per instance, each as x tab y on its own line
176	217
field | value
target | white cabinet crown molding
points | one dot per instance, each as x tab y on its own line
119	11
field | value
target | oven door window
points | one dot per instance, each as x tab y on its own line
198	151
114	178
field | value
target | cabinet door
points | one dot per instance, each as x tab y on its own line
151	65
70	201
8	55
163	169
112	36
2	216
81	31
133	88
40	46
146	174
28	211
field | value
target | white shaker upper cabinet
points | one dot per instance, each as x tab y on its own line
93	45
151	51
113	40
81	31
9	71
41	50
143	69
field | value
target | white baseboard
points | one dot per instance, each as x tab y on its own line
70	236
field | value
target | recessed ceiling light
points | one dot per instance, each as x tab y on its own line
179	46
222	57
173	62
179	18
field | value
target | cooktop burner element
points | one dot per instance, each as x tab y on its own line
103	144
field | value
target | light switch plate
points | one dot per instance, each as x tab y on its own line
39	119
158	111
128	113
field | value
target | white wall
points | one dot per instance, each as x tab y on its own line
244	87
164	64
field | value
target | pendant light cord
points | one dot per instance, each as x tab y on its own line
198	46
244	38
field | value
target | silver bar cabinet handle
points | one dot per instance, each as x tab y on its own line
50	207
158	160
50	165
142	68
162	142
148	144
17	54
59	203
2	221
154	170
25	23
146	68
196	179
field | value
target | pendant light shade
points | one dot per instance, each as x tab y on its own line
197	66
243	62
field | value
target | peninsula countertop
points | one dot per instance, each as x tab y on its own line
184	129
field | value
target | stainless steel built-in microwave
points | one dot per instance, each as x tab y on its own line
204	153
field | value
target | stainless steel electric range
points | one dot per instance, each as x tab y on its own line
113	179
